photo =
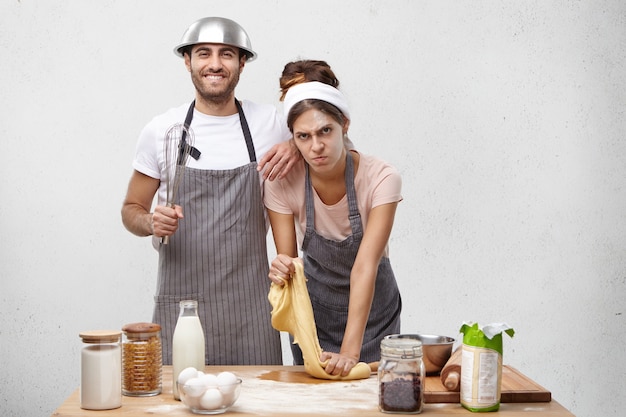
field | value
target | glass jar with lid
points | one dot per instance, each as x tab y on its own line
100	370
141	359
401	375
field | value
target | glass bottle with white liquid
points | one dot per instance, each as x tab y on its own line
187	342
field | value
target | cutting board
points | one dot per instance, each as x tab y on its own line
516	388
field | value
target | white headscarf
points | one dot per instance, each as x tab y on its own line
315	90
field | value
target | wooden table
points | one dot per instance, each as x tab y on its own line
289	391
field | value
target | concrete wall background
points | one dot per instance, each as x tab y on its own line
505	118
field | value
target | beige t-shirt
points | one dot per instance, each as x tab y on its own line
376	183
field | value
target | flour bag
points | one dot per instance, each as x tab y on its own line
481	366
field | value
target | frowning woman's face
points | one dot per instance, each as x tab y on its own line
319	137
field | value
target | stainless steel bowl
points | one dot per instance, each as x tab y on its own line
216	30
436	351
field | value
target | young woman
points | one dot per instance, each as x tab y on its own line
337	206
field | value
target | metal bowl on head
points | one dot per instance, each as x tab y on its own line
436	351
216	30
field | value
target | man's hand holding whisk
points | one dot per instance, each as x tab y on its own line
165	220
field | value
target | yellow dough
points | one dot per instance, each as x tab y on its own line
292	313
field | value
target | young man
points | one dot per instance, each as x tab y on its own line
216	252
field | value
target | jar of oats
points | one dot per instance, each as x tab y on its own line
141	359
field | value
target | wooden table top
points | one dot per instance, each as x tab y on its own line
289	391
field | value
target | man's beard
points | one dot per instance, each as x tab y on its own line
215	96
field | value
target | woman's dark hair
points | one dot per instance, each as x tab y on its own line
298	72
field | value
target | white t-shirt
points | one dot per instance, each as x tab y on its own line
219	138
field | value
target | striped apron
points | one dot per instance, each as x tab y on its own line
327	266
218	256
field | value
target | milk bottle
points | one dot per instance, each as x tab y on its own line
187	342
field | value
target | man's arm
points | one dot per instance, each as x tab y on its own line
136	214
279	160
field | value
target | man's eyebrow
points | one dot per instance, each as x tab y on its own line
220	49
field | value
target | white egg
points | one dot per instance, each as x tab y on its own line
229	398
210	380
226	382
194	387
200	374
186	374
211	399
192	402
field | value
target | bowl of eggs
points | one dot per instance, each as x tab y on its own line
208	393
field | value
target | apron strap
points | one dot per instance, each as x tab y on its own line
354	215
309	208
194	152
246	132
353	208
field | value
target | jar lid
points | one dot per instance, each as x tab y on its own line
401	346
100	336
141	328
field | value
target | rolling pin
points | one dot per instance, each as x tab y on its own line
451	371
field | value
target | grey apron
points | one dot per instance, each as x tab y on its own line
327	266
218	256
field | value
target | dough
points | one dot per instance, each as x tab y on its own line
292	312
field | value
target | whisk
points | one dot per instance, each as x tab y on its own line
177	146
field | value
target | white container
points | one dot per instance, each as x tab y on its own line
101	370
187	342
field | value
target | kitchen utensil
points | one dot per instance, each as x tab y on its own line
216	30
451	372
436	351
177	146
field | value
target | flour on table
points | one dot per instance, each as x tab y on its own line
260	396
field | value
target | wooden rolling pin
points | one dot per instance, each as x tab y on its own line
451	371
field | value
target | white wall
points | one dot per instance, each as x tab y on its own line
506	119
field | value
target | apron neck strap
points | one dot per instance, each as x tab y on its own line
195	153
246	131
353	208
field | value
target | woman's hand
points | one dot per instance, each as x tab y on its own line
281	269
338	363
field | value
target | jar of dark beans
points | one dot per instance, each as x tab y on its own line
401	375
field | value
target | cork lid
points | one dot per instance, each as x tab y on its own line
100	336
141	328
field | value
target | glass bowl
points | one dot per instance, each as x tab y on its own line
203	399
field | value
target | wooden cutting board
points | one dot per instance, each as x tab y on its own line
516	388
